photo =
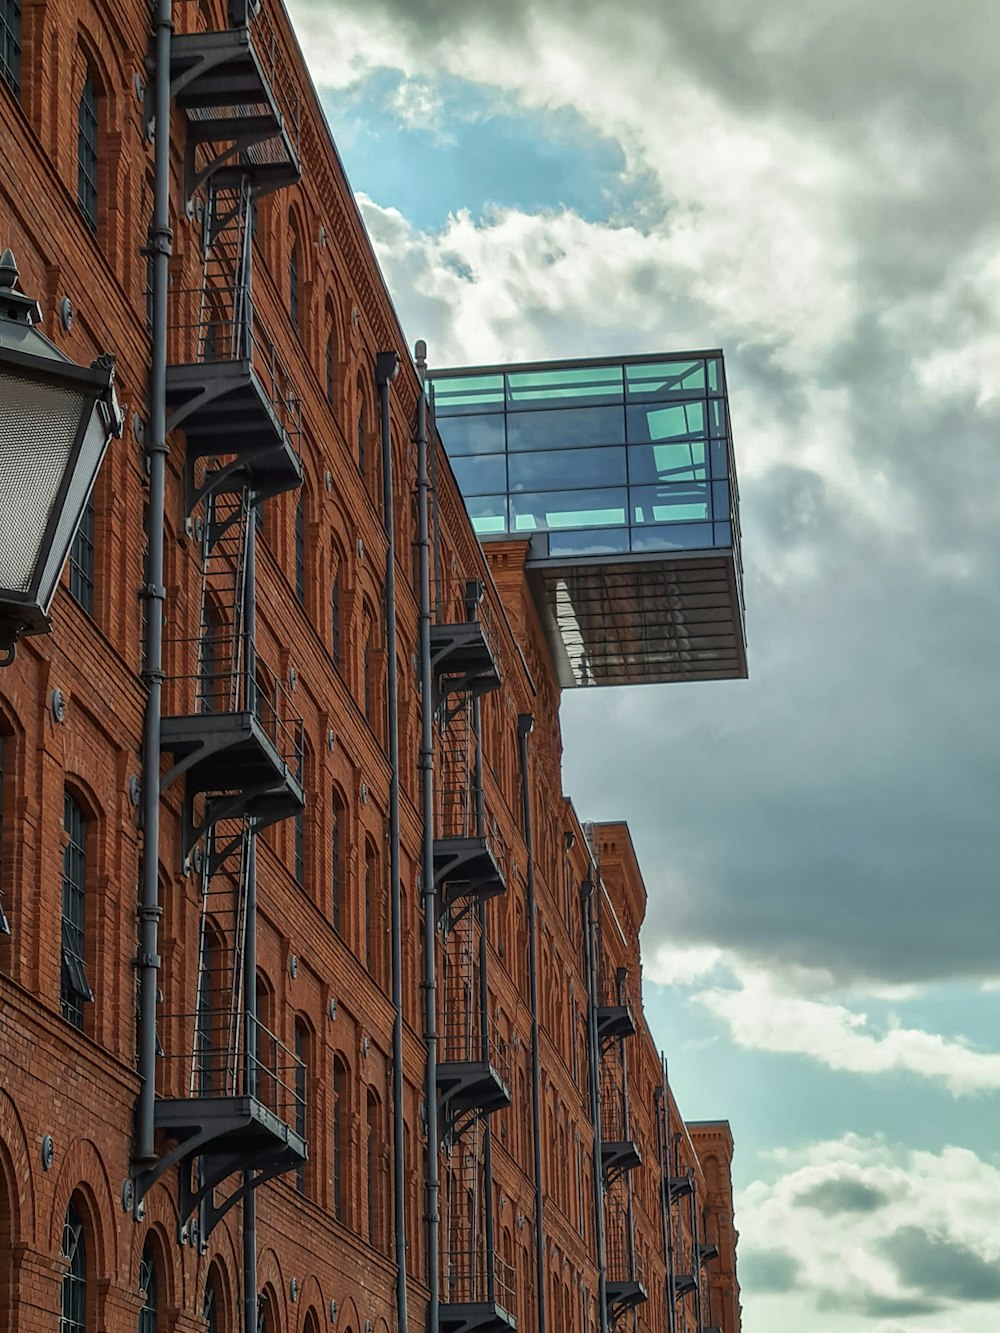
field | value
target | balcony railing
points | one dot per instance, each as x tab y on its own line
462	1043
467	1275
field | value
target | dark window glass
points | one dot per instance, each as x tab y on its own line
337	857
5	753
533	512
147	1288
565	428
293	284
666	421
680	503
301	1052
366	681
562	469
209	979
374	1168
472	435
300	848
592	541
335	615
210	1310
211	679
10	44
673	460
86	153
81	561
479	475
331	385
339	1129
361	442
673	537
73	1314
371	878
300	552
74	990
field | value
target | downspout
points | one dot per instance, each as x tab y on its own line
433	1210
590	926
525	722
696	1257
154	594
251	1042
386	370
627	1126
666	1204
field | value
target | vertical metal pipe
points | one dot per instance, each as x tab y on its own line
695	1257
627	1126
593	1050
433	1209
525	722
160	243
250	1041
385	377
666	1204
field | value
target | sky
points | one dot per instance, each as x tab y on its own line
811	187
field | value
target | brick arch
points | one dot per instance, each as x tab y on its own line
16	1169
82	1173
270	1280
168	1272
162	1222
348	1319
312	1305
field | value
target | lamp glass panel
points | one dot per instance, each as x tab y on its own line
39	421
84	472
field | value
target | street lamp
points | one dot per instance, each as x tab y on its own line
56	420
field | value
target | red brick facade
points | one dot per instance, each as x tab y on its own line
325	1253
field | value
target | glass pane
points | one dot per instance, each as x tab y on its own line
542	388
723	534
468	393
669	504
488	513
567	467
570	509
565	428
720	500
714	377
472	435
720	459
667	462
594	541
677	422
717	415
665	379
482	474
673	537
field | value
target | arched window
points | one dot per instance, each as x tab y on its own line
212	682
330	367
73	1316
338	841
210	1306
374	1164
340	1131
300	550
148	1290
367	668
362	430
301	1080
81	561
265	1046
211	1059
86	152
335	626
371	906
74	990
10	44
293	281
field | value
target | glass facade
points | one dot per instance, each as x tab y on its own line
594	459
621	475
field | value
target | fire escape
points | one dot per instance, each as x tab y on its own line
620	1155
690	1281
474	1064
230	1095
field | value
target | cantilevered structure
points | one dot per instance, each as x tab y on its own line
621	475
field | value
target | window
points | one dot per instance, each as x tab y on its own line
73	1315
300	848
293	282
10	44
210	1061
337	842
300	552
301	1071
74	990
211	682
335	617
86	153
340	1131
371	915
81	561
361	441
210	1308
374	1164
147	1289
366	674
331	370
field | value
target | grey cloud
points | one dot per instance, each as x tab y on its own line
768	1270
877	1307
830	1197
941	1267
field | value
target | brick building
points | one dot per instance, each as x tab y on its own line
284	838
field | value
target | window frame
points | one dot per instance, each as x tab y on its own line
74	988
11	45
88	135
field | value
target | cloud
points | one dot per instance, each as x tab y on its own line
768	1270
843	1196
876	1262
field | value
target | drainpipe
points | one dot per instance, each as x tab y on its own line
666	1208
153	593
433	1216
588	894
627	1126
696	1258
386	371
525	722
250	1037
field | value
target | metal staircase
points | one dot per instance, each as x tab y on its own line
473	1070
626	1282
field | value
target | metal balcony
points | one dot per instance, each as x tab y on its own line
619	1156
241	102
462	659
472	1083
684	1283
706	1253
624	1296
615	1018
479	1294
467	867
234	1101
